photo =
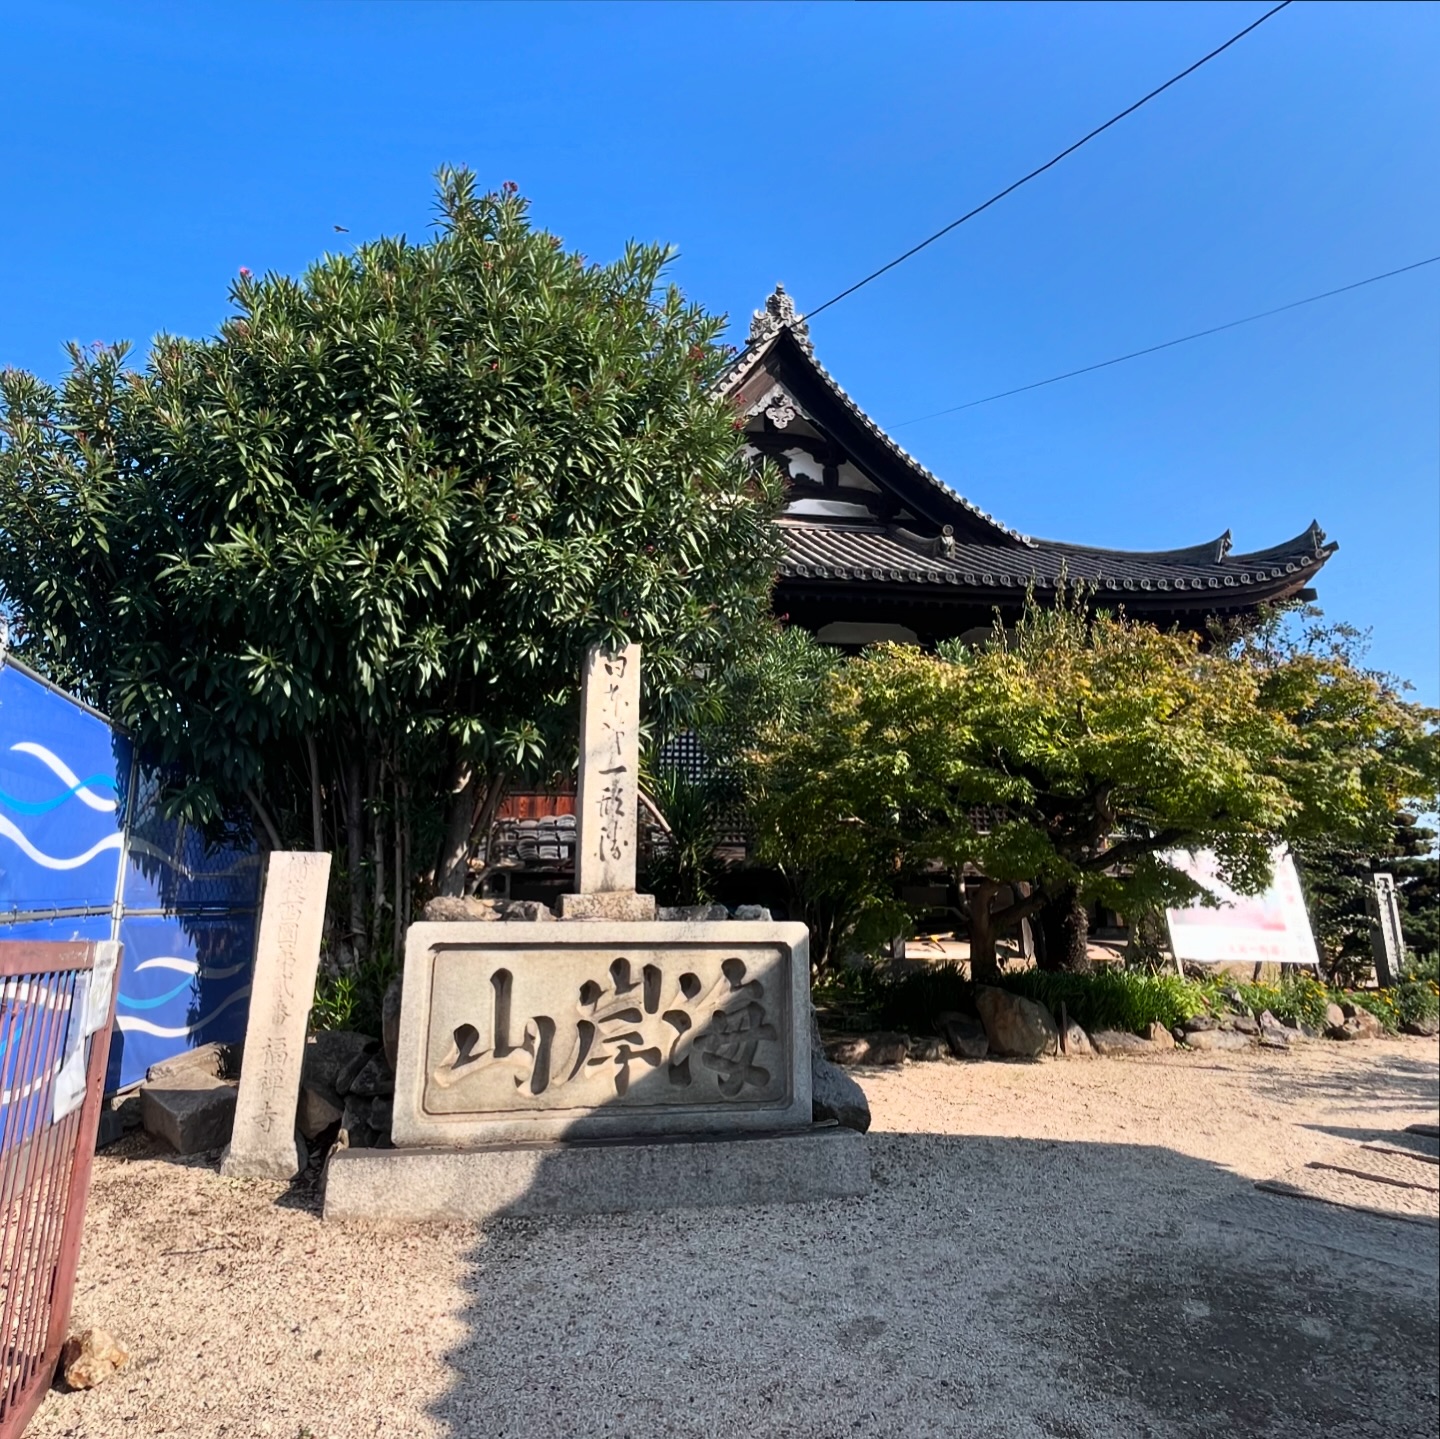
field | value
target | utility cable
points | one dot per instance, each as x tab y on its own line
1184	339
1025	180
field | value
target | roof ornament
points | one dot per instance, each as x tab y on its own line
779	314
1222	546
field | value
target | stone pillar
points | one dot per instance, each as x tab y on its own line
287	954
607	797
1387	943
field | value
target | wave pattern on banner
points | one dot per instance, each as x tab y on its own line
130	1023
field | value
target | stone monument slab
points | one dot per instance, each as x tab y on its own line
540	1031
1387	942
287	954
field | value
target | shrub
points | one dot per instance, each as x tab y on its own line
1417	999
1107	999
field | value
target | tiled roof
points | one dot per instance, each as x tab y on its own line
745	365
893	556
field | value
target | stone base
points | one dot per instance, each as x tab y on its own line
615	1177
282	1163
624	906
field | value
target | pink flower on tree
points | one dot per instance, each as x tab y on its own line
245	272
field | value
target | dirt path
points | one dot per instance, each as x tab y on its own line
1066	1249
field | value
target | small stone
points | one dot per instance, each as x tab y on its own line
853	1050
1178	1034
316	1113
375	1078
1366	1024
461	906
1159	1036
1217	1039
752	914
1016	1026
213	1061
390	1021
1334	1016
1427	1027
1075	1042
692	913
90	1357
1111	1042
927	1048
965	1035
1244	1023
1198	1022
381	1109
525	911
889	1048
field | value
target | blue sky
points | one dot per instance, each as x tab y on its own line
154	149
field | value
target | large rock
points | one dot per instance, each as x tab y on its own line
316	1113
1112	1042
191	1113
1426	1028
1198	1022
1334	1016
91	1357
1217	1039
328	1055
472	907
390	1022
1075	1042
1016	1026
928	1048
1244	1023
834	1096
374	1079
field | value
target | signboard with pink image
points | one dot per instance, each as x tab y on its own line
1271	927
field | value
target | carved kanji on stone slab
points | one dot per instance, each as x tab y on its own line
632	1023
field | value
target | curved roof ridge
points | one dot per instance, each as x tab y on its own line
765	333
1310	541
1211	552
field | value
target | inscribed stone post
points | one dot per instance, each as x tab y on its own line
1387	943
287	954
607	799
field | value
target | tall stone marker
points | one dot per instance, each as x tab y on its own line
1387	943
287	954
607	799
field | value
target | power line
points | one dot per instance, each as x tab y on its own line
1151	349
1025	180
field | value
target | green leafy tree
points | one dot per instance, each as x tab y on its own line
343	558
1059	765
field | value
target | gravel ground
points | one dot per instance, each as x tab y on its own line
1073	1249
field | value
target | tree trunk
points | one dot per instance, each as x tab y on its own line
1064	932
984	965
454	863
355	856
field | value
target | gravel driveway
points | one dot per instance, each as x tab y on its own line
1072	1248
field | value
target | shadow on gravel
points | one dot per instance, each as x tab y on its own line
985	1287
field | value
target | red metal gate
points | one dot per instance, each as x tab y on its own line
56	1006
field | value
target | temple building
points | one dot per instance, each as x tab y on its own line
878	548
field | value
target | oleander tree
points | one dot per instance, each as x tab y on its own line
340	561
1065	762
